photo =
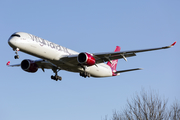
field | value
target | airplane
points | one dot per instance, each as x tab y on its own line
56	57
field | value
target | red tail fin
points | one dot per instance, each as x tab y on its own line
113	63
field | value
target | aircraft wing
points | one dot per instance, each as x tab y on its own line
15	65
43	64
100	57
108	56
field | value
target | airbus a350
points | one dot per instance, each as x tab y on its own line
56	57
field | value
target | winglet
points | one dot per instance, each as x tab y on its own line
173	44
8	63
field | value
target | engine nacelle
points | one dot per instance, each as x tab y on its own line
29	66
86	59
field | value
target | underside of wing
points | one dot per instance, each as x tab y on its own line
99	58
15	65
44	64
70	60
29	64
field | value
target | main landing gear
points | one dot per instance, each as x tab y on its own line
85	74
56	77
16	52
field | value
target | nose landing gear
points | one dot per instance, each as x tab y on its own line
16	57
16	52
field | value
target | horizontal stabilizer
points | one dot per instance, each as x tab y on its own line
128	70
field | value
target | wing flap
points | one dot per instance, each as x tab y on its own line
113	56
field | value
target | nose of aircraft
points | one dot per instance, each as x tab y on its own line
12	42
13	39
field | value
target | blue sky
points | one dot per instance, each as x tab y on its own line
89	26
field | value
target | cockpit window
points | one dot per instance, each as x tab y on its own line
17	35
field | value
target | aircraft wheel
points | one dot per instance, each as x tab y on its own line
59	78
56	78
89	75
16	56
52	77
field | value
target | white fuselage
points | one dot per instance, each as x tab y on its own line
53	52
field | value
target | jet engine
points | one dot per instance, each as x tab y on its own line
86	59
29	66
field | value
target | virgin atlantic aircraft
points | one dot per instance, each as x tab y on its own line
56	57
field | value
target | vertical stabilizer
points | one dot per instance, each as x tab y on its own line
113	63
